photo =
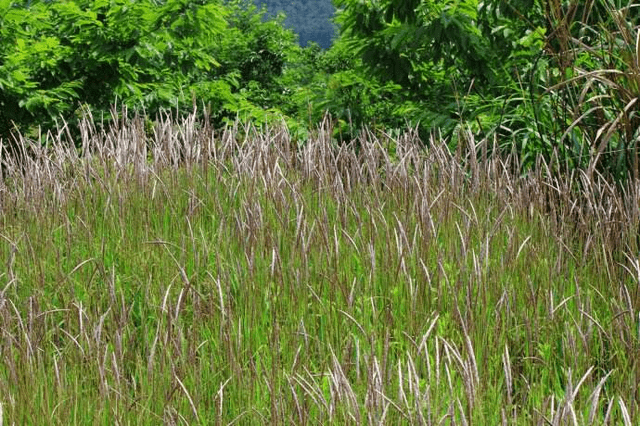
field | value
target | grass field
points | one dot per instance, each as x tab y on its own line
240	278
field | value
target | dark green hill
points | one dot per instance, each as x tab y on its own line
311	19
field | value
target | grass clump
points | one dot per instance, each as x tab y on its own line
200	279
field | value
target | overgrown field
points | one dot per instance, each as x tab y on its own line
238	278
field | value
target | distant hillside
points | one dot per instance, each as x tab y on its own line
311	19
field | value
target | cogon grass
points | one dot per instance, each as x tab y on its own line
191	278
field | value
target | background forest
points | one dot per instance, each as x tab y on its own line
551	77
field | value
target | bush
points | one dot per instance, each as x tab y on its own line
60	58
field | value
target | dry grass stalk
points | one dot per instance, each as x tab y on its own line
436	226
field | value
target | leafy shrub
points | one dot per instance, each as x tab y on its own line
545	77
58	56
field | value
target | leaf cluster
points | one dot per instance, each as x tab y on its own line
545	77
59	60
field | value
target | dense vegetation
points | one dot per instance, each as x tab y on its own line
60	60
186	279
202	222
547	77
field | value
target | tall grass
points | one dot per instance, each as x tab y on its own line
240	278
594	88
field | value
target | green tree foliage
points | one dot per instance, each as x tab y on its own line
354	99
395	38
448	53
59	58
257	53
550	77
318	82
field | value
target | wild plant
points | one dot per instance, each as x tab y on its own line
181	276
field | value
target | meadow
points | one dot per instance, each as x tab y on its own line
183	276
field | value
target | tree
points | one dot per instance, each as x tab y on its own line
60	58
549	77
451	53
